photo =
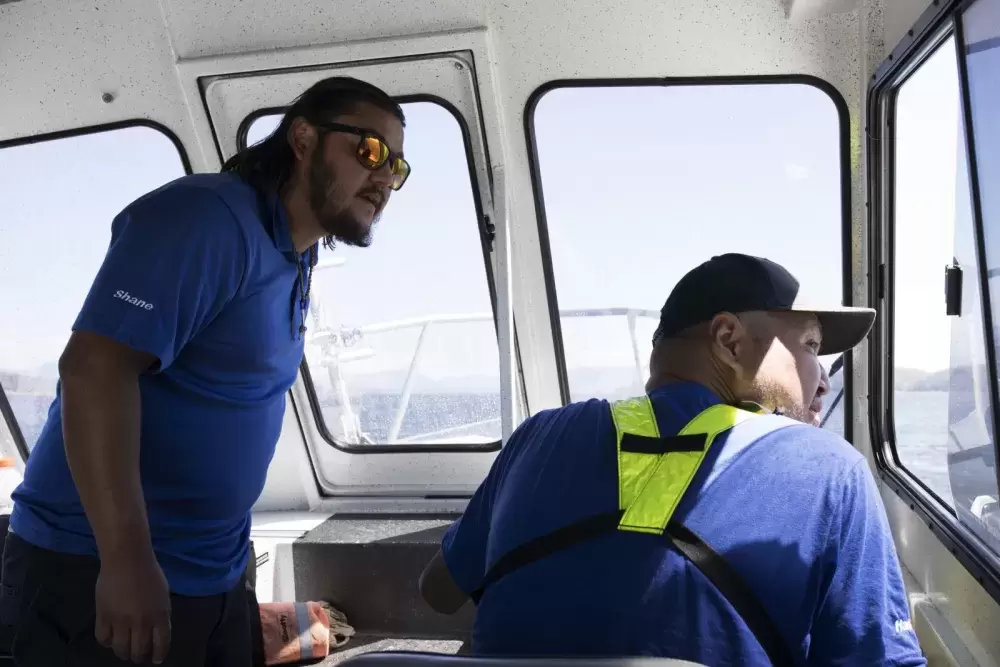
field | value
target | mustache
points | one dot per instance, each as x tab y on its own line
377	195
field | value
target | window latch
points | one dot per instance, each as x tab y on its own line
491	231
953	289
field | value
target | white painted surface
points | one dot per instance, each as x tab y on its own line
964	612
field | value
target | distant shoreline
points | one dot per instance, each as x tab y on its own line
587	381
907	379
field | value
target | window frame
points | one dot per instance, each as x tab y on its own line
844	141
6	410
487	237
935	26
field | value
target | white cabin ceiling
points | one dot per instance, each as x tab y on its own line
60	58
201	28
668	39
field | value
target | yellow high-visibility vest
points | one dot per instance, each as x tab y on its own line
655	472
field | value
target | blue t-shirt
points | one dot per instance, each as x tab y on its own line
200	274
795	512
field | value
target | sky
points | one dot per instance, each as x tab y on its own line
927	146
640	185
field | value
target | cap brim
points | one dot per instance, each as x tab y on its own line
843	328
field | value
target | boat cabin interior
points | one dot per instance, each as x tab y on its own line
572	159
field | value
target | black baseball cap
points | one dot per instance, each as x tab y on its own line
736	283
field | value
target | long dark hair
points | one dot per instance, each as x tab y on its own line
268	165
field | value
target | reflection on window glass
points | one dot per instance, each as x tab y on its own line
641	184
982	36
60	197
942	433
403	347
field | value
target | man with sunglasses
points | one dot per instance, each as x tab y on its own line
693	522
130	534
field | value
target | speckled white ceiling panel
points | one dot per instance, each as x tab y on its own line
58	58
122	46
215	27
591	38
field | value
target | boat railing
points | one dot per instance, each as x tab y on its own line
343	345
339	347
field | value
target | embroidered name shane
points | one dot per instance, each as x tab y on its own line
125	296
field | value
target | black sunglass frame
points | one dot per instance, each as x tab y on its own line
364	134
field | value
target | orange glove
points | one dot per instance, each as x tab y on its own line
297	631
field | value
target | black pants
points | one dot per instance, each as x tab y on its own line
47	614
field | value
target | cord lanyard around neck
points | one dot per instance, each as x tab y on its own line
304	287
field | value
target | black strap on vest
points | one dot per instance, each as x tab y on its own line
712	565
643	444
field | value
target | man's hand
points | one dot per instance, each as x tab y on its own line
133	610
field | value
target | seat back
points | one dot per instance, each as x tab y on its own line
406	659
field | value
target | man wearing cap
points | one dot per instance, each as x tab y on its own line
703	521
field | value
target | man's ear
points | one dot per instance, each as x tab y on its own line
728	336
302	137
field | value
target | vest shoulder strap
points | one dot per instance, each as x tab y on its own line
736	591
714	567
655	472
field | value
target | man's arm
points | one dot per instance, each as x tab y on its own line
456	570
865	615
439	589
100	410
175	259
460	564
101	423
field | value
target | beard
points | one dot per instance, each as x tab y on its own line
776	399
338	220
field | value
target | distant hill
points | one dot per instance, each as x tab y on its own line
949	379
617	382
613	382
907	378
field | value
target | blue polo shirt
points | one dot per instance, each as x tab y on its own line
795	512
200	274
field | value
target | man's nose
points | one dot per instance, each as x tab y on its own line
382	176
824	384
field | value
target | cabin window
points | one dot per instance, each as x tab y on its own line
972	463
933	224
60	195
641	183
936	155
402	348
